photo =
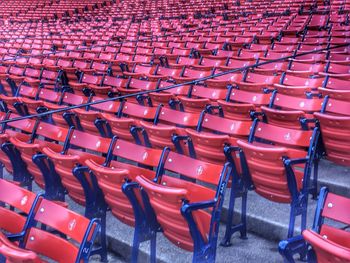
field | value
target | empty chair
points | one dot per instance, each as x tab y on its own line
112	175
335	94
111	84
256	82
329	243
305	69
198	97
337	70
10	155
67	157
325	241
165	73
222	81
213	133
271	68
65	99
185	209
86	83
298	86
12	222
291	112
167	123
30	145
169	97
189	74
16	75
239	104
280	171
38	242
331	82
334	121
137	70
127	115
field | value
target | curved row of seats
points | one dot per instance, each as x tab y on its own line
262	129
289	137
67	160
42	9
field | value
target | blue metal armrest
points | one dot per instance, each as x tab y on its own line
176	141
134	130
142	98
189	207
305	121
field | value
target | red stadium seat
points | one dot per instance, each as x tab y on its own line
329	243
280	171
40	242
167	123
12	222
334	122
291	112
326	241
166	194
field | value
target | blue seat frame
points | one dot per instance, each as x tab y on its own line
239	188
299	199
203	251
297	245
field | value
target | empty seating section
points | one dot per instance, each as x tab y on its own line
152	109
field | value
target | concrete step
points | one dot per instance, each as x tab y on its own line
265	218
112	257
335	177
120	237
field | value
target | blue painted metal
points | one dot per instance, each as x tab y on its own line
142	98
292	246
297	245
2	90
205	251
135	131
146	225
239	189
210	109
20	172
252	131
13	86
200	121
324	104
104	128
86	248
158	111
299	199
176	141
160	168
54	190
95	205
272	98
229	92
72	120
